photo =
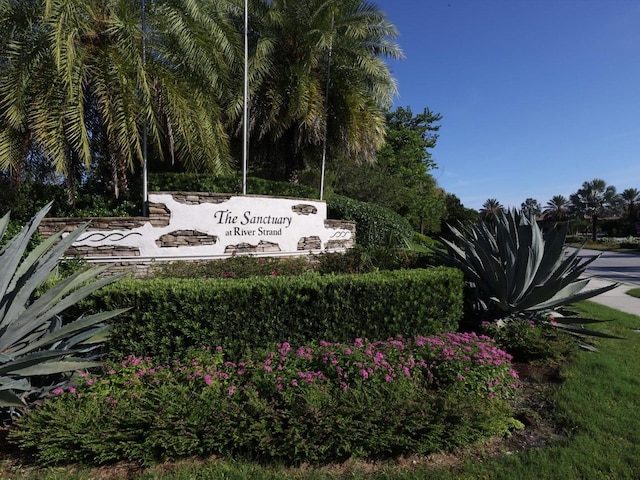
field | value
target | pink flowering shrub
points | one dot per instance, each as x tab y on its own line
311	403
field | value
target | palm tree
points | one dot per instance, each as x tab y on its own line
557	208
530	207
630	196
76	84
318	47
595	199
490	210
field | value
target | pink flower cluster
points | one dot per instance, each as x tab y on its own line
462	360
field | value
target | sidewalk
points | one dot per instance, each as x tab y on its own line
616	298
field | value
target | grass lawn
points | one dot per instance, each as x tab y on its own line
634	292
594	410
604	246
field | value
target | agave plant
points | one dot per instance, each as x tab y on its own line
37	348
516	268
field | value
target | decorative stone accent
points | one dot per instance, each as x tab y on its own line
310	243
261	247
340	239
103	251
339	244
50	226
198	198
186	238
159	215
303	209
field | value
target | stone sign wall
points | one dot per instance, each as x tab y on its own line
197	226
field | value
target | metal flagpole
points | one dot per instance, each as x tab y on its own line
145	195
245	119
326	113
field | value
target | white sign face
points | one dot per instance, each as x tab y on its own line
208	225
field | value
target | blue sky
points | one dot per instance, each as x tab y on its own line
537	96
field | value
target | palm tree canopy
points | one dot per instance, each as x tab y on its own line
318	47
74	71
630	197
557	208
531	207
596	198
490	209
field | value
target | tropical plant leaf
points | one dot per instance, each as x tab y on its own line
35	342
517	268
9	399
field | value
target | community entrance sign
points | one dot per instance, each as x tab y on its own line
187	225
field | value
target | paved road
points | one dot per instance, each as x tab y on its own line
614	267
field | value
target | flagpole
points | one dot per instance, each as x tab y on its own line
145	194
326	112
245	120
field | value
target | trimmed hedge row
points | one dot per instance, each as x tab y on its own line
168	316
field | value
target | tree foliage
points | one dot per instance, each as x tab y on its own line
490	210
531	207
82	81
84	86
595	199
401	178
630	197
324	74
557	209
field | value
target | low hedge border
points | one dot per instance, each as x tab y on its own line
168	316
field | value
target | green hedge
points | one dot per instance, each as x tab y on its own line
194	182
168	316
375	225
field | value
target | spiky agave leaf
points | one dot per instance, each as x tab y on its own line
34	342
516	267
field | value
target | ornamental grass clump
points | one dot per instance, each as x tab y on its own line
313	403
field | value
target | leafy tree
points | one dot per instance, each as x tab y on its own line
78	86
557	209
490	210
312	42
595	199
400	179
531	207
457	214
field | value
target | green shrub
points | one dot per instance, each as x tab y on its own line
370	259
193	182
243	266
317	403
375	225
169	315
354	260
529	341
